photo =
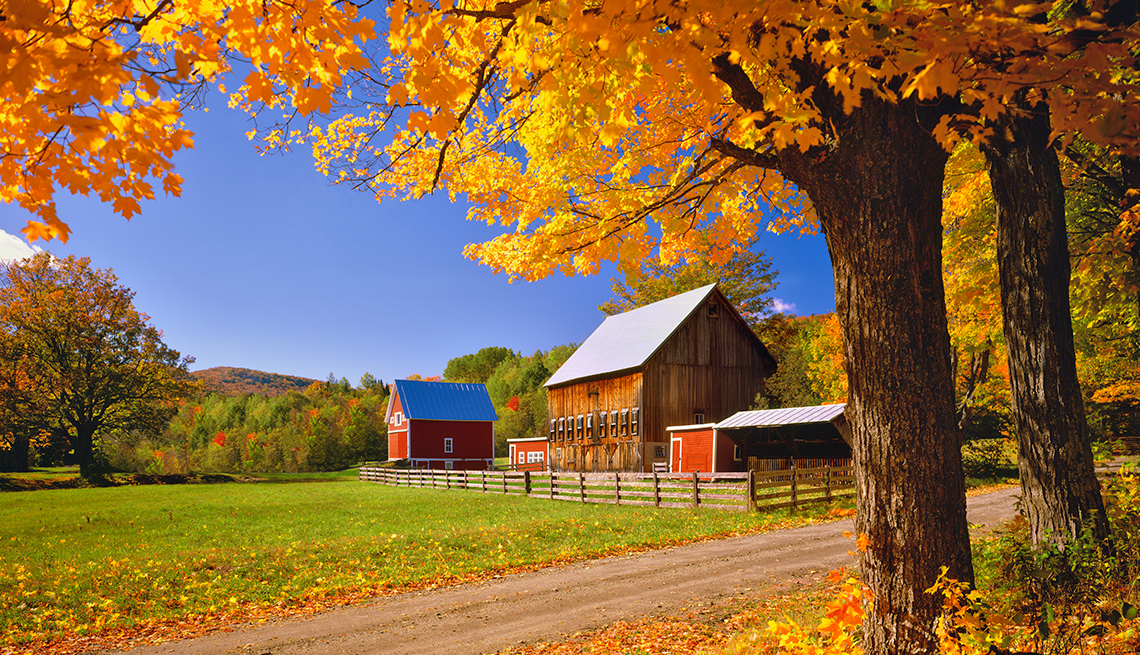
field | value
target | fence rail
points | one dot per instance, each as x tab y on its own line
729	491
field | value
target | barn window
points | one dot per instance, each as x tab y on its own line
534	456
624	421
578	432
553	425
590	424
736	453
562	428
613	423
557	453
602	424
714	309
449	464
633	420
698	418
522	458
447	445
658	451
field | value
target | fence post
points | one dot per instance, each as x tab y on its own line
656	490
526	483
750	490
447	479
483	480
617	488
828	492
582	486
795	478
552	493
504	483
696	492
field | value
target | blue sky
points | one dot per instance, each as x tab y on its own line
263	264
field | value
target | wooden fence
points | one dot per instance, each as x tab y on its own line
730	491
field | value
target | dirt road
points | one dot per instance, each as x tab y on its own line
489	616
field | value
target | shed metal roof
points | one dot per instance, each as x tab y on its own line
767	418
445	401
628	340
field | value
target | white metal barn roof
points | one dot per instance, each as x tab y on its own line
628	340
767	418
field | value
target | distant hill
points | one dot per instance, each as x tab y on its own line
230	381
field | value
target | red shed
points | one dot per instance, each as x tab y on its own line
441	425
528	454
701	448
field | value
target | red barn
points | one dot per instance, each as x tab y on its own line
441	425
528	454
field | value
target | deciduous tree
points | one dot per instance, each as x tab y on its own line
92	93
95	363
1060	492
477	367
690	118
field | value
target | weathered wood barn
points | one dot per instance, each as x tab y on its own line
441	425
686	359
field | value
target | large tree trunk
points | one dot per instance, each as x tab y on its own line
878	194
84	446
16	458
1059	488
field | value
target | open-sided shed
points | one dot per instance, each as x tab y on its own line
762	440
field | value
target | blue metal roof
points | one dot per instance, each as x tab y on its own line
445	401
628	340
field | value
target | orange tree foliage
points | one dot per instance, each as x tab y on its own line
973	304
579	124
92	91
94	364
1104	290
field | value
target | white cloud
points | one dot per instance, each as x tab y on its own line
783	307
13	247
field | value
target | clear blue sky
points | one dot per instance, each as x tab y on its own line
263	264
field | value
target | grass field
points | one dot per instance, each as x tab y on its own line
94	561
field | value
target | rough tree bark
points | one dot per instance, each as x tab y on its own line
878	194
1060	491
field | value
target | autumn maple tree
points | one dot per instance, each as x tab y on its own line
88	362
620	131
92	93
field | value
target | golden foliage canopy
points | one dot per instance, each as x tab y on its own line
578	124
92	91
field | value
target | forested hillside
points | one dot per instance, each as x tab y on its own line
230	381
327	426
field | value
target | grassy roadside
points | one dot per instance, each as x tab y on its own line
85	566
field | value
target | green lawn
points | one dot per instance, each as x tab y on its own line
86	561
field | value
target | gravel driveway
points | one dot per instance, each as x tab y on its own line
488	616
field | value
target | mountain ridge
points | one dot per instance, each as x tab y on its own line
235	381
